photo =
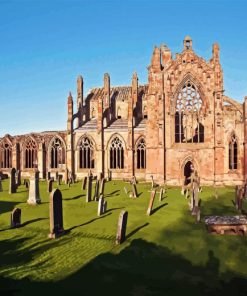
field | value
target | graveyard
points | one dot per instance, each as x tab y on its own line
165	251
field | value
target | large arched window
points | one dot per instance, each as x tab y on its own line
30	151
86	153
141	154
6	155
188	128
233	153
57	153
116	154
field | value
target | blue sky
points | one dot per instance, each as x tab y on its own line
46	44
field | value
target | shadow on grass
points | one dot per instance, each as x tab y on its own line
7	206
73	198
136	230
112	193
32	221
86	223
159	207
113	209
142	268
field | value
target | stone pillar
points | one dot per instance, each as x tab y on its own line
79	99
106	101
70	130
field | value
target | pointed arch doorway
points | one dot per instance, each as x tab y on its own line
187	171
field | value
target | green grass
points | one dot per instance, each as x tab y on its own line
166	253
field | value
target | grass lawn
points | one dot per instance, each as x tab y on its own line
166	253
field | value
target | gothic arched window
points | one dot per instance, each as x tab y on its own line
30	151
86	154
6	155
57	153
233	153
116	154
141	154
188	128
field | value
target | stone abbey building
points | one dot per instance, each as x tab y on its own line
180	117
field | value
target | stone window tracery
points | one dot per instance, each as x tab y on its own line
233	153
188	128
57	153
116	154
86	154
30	154
141	154
6	155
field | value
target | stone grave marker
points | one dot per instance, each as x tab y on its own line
49	185
34	195
100	205
57	176
102	187
161	194
12	183
84	183
96	190
56	214
151	202
134	191
122	225
15	218
104	206
89	189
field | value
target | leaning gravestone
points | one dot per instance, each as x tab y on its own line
34	196
134	191
56	214
102	187
12	183
49	185
100	206
89	189
1	186
122	225
161	194
151	202
15	218
84	183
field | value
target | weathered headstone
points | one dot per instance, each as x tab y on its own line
152	184
122	225
15	220
134	191
151	202
12	183
161	194
102	186
84	183
104	206
56	214
101	206
49	185
96	190
89	189
34	196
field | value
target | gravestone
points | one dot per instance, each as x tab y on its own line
12	183
56	214
57	176
49	185
1	186
101	206
151	202
152	184
102	187
122	225
96	190
195	195
15	220
34	196
84	183
134	191
18	178
109	175
89	189
161	194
